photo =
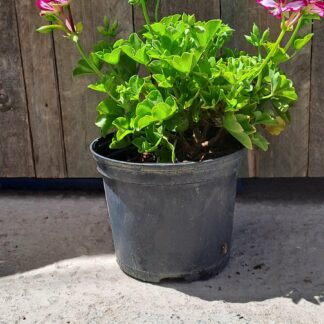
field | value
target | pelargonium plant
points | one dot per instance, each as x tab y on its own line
174	92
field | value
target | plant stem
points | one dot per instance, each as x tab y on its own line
86	58
91	64
294	35
146	16
156	12
270	55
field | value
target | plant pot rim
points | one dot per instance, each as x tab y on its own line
221	159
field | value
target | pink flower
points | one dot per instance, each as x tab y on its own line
51	5
57	8
277	8
315	7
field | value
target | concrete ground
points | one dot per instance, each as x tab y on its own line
57	263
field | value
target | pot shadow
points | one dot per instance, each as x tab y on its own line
278	246
41	228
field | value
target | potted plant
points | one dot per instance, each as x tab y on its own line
178	109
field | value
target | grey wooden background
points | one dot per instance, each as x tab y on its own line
46	115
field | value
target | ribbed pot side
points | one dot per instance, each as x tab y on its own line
171	220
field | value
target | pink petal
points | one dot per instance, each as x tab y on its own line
268	4
295	5
276	12
317	9
44	5
47	5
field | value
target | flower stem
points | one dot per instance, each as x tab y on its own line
294	35
91	64
86	58
156	12
146	16
270	55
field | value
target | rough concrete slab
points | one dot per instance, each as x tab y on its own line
57	263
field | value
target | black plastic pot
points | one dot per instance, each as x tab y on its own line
170	220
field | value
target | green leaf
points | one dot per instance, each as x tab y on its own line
278	128
162	111
121	123
135	49
144	145
112	57
122	133
280	56
245	123
283	93
189	102
143	109
109	107
49	28
79	27
256	30
260	141
154	97
171	147
145	121
115	144
178	123
206	31
231	124
309	19
163	81
99	86
301	42
108	30
184	63
244	139
51	18
135	85
263	118
104	122
265	36
82	68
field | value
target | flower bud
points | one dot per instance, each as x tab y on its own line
135	2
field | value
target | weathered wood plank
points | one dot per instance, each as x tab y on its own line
316	147
288	154
41	87
15	143
79	104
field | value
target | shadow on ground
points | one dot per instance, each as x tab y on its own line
278	239
278	246
38	229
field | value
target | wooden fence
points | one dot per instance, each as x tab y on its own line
46	115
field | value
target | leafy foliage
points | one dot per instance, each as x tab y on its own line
191	90
176	93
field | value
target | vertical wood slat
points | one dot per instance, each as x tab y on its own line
15	142
77	103
316	147
288	153
43	101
